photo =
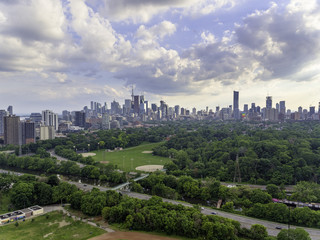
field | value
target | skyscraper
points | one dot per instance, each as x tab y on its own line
12	130
283	107
80	119
268	102
136	104
50	119
10	110
28	132
3	113
236	113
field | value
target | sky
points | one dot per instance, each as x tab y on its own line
60	55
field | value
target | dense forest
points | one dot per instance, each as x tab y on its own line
259	153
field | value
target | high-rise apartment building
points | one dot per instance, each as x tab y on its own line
50	119
236	112
47	132
3	113
12	130
28	132
283	107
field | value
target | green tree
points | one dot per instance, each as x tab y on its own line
258	232
293	234
21	195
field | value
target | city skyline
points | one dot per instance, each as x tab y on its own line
194	53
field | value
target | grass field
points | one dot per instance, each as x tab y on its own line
57	226
130	158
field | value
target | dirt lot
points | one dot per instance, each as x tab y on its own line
130	236
150	168
88	154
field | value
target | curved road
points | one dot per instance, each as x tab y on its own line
52	154
244	221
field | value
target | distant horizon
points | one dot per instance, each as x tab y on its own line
62	54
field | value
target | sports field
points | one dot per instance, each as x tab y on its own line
56	226
130	158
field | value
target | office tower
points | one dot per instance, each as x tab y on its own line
312	110
258	109
50	119
12	130
147	107
36	117
177	110
47	132
217	109
236	112
127	106
66	115
194	111
319	108
253	107
80	119
10	110
115	107
136	104
28	132
3	113
92	106
183	111
245	108
207	109
154	107
268	102
278	107
106	121
141	99
283	107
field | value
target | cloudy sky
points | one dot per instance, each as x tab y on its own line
59	54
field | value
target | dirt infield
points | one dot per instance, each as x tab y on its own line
88	154
130	236
150	168
147	152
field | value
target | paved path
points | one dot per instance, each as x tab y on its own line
52	154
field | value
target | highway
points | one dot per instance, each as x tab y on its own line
244	221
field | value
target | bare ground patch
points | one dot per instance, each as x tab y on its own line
105	162
88	154
130	236
47	235
147	152
150	168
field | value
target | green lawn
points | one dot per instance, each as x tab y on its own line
130	158
57	226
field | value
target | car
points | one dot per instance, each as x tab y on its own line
278	227
84	185
214	213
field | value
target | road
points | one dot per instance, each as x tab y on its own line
244	221
52	154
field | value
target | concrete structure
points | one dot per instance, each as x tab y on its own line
3	113
12	130
80	119
47	132
50	119
28	132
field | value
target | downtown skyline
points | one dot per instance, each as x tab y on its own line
62	54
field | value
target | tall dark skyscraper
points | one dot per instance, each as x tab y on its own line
283	107
11	130
28	132
136	104
80	119
10	110
236	112
268	102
